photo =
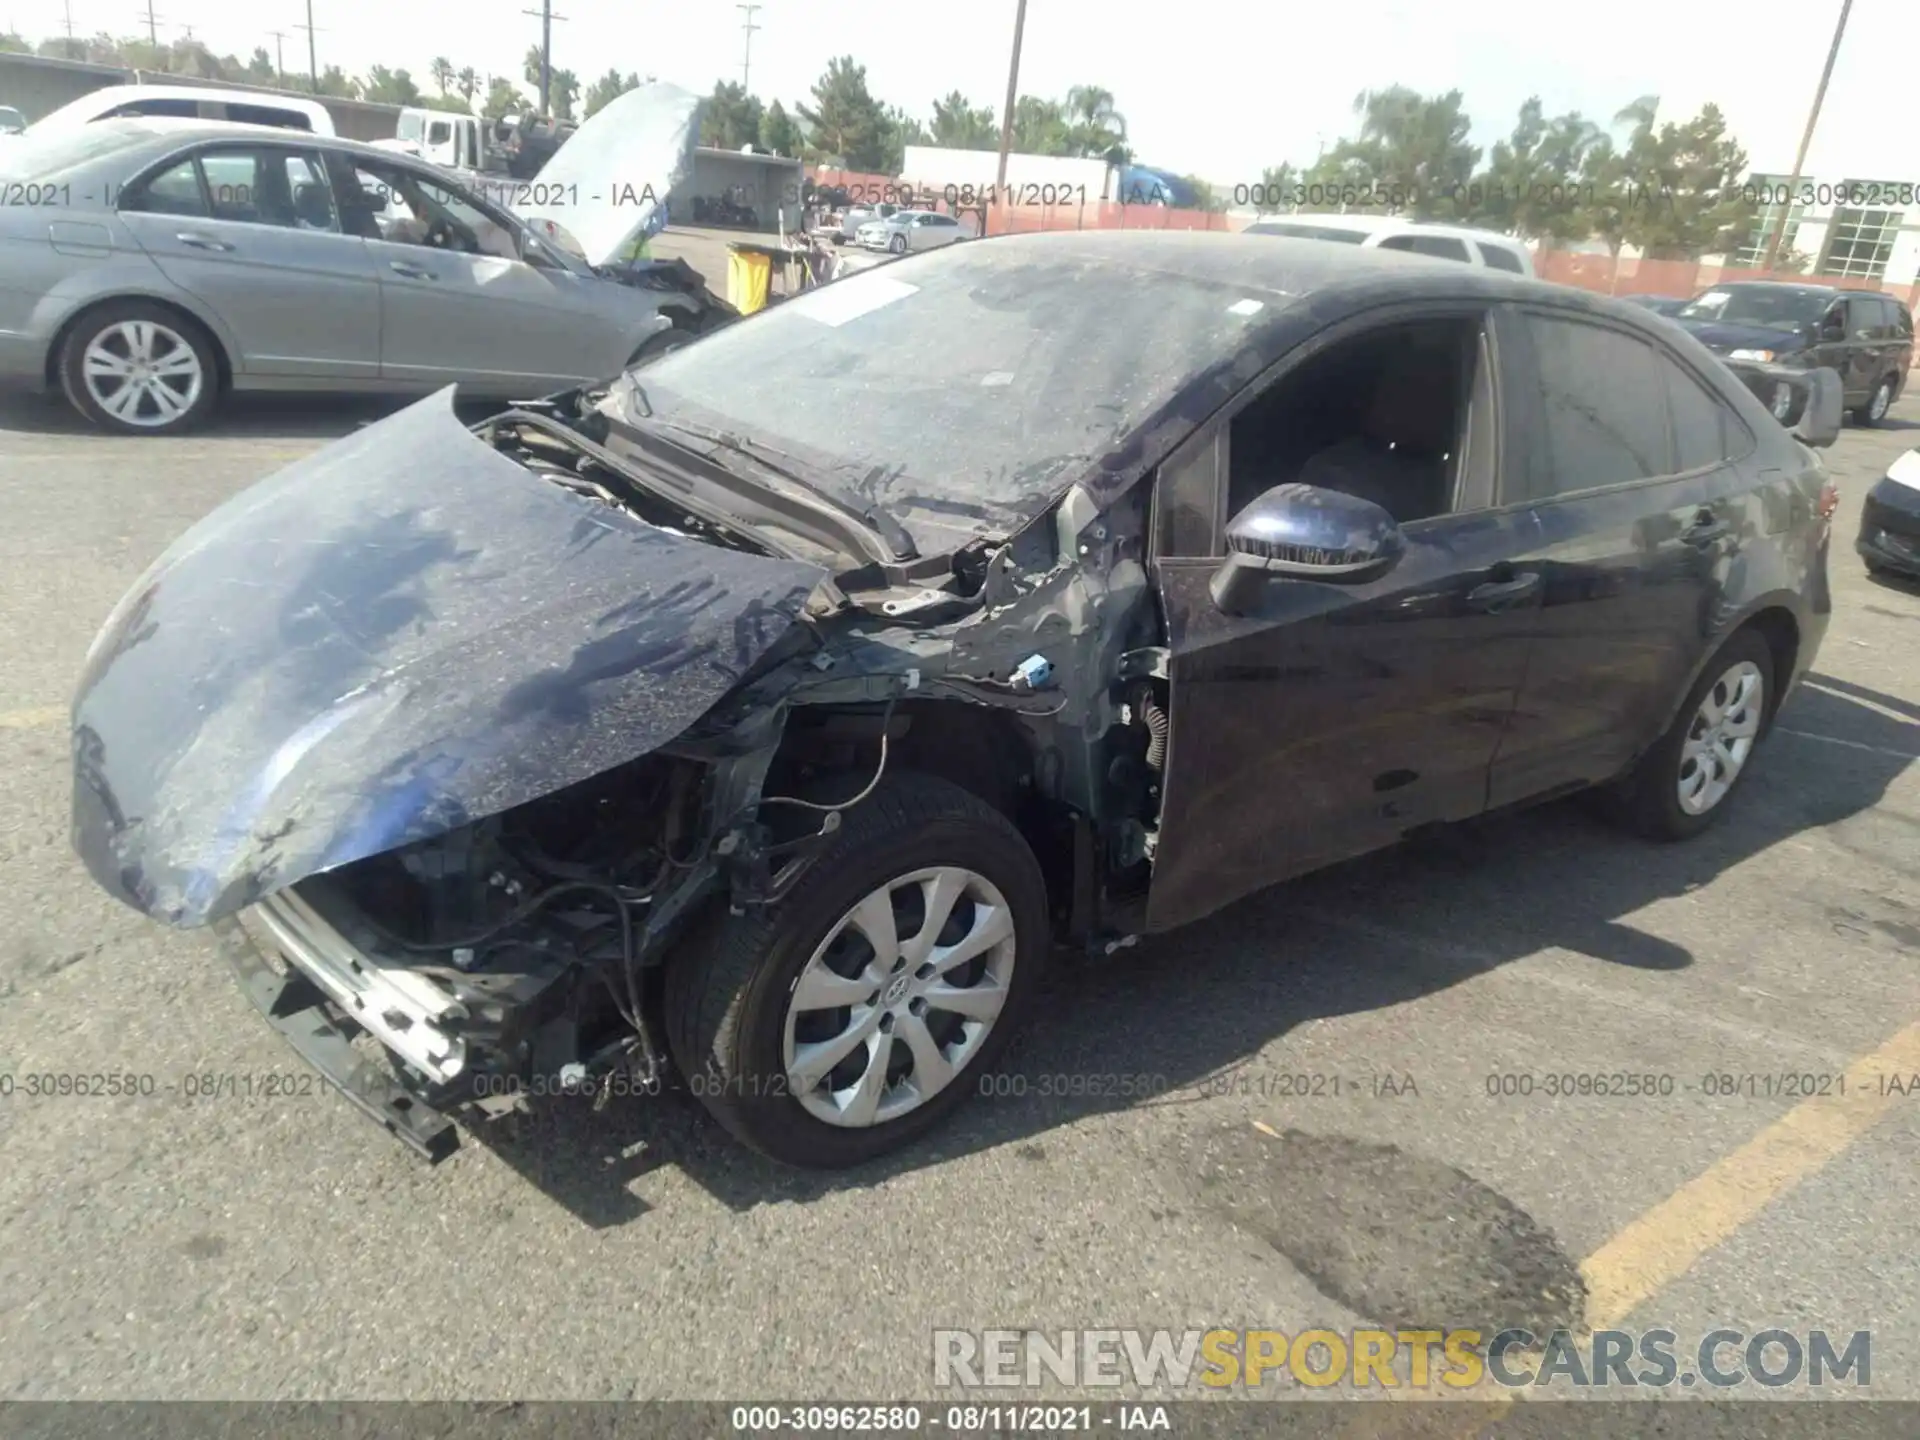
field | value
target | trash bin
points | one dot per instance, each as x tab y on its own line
749	275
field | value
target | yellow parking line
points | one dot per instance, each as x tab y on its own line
1665	1242
32	719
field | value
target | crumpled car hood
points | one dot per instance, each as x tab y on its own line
602	187
400	634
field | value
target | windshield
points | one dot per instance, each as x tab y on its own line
962	387
44	154
1775	307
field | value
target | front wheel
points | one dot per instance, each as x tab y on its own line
857	1014
1681	785
1877	404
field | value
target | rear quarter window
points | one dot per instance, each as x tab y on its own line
269	115
1498	257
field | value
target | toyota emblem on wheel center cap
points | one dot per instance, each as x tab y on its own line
897	991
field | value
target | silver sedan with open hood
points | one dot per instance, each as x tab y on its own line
152	265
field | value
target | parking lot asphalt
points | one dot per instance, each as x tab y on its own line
1318	1148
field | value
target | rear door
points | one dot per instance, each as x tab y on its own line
1640	512
252	231
457	303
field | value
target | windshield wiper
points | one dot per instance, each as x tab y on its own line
872	518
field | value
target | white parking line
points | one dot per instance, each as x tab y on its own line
1849	744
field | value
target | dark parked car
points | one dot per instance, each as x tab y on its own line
1064	587
1865	336
1889	539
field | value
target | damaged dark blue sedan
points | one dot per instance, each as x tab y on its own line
765	715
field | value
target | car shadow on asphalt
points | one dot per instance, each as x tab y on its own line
260	416
1181	1011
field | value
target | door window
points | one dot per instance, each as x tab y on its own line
179	109
1705	430
266	185
268	115
1600	407
174	191
1498	257
1382	415
1441	247
406	207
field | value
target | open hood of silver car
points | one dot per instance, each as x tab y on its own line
604	186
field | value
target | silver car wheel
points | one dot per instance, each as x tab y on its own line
899	997
1882	399
142	373
1721	737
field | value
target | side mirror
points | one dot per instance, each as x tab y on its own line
1303	532
1819	424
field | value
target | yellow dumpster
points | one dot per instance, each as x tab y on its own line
749	273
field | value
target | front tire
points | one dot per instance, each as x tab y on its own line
1682	784
898	244
1875	408
138	368
857	1014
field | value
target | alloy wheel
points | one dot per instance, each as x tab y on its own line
899	997
142	373
1882	399
1721	737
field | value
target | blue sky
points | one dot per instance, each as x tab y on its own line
1220	89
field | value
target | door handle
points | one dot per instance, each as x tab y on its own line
1705	530
412	272
1498	595
201	242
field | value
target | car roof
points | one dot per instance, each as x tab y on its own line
179	130
1779	285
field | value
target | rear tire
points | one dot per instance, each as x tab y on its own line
137	368
1700	755
1874	410
747	1036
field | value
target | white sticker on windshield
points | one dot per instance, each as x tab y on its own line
853	297
997	377
1246	307
1713	297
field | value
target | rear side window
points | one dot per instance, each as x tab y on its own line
1441	247
1705	431
269	115
1498	257
1902	321
174	191
1601	407
187	109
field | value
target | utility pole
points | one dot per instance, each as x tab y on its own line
547	17
69	19
313	64
153	25
1013	92
746	61
279	70
1806	139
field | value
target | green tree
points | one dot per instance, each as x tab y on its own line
563	86
1687	200
1097	128
503	98
845	124
1607	174
390	87
467	85
441	69
1205	197
1275	190
608	88
959	124
260	67
1041	127
1532	182
12	42
902	130
61	48
778	133
730	118
1412	147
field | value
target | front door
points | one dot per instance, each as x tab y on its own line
1330	719
251	231
459	305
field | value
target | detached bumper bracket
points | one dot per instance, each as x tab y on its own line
295	1008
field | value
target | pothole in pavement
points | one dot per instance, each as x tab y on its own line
1396	1238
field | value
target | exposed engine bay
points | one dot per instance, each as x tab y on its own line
530	943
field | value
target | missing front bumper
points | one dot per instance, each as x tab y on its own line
296	1007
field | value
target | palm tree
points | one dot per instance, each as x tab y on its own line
467	82
442	72
1097	126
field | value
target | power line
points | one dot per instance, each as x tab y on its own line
746	61
547	17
